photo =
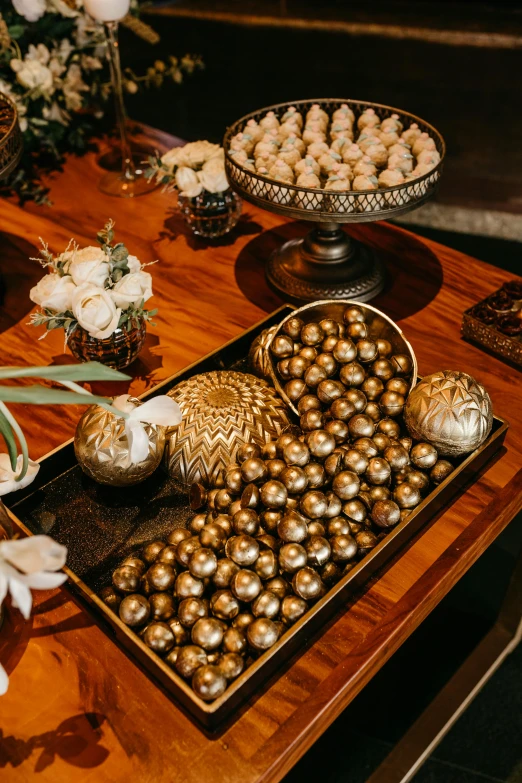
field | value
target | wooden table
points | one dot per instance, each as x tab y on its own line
77	707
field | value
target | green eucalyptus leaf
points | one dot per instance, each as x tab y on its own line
6	431
89	371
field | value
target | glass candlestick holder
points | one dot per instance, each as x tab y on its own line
130	180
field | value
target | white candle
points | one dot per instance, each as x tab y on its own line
107	10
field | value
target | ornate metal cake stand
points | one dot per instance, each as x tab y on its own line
328	263
11	140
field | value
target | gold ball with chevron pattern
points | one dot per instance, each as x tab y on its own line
221	410
450	410
102	449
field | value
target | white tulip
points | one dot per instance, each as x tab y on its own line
54	292
197	152
187	182
33	75
7	475
132	289
161	410
89	265
95	311
133	263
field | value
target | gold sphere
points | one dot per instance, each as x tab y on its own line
188	586
292	527
242	621
329	326
386	513
361	426
292	327
212	536
337	428
209	682
292	557
382	441
406	495
293	608
312	334
297	366
344	548
196	524
279	587
309	352
250	497
110	598
440	471
330	390
344	351
316	528
234	480
126	579
366	446
315	475
231	665
313	504
346	485
353	314
294	478
243	550
266	566
253	470
246	521
207	633
224	605
273	494
314	375
180	633
366	541
190	610
152	550
342	409
384	348
275	467
295	389
399	385
296	453
262	633
357	398
102	449
282	346
356	461
418	479
389	427
308	403
190	658
366	351
373	388
330	573
320	443
373	411
186	548
328	363
283	368
356	510
224	572
202	563
392	403
159	637
307	584
177	535
378	471
397	457
338	526
267	604
382	369
318	550
134	610
246	585
234	641
162	606
401	363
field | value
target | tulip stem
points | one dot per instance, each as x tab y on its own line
21	439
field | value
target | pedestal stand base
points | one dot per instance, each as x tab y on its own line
326	264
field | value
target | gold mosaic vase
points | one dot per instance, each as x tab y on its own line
220	411
117	351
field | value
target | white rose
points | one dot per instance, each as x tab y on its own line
33	75
32	10
132	289
197	152
89	265
173	158
213	177
54	293
187	182
133	263
95	311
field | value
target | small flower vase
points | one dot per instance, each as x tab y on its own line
116	351
211	215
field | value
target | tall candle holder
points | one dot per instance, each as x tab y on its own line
130	181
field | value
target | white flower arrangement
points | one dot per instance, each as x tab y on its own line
192	169
25	564
97	288
53	67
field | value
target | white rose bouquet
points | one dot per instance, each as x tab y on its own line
97	288
191	170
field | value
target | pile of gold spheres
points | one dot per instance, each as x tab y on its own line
281	526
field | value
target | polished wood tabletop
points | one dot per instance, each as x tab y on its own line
77	707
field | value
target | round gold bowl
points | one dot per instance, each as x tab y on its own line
381	327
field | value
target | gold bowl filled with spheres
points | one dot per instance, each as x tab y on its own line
380	327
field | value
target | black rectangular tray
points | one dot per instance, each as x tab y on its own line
102	525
